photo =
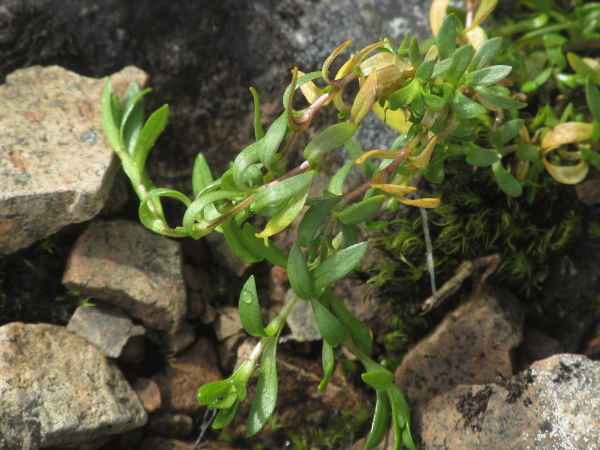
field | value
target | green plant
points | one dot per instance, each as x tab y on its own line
450	103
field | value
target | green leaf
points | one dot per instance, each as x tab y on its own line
197	206
592	96
413	53
362	211
349	235
460	61
498	100
237	242
266	390
312	220
211	392
271	252
355	151
435	172
148	217
258	129
133	117
330	327
243	161
506	132
109	122
486	53
487	76
381	421
337	265
249	307
509	184
446	37
336	185
328	140
380	380
359	332
298	274
272	140
328	364
433	101
282	190
441	67
590	156
482	157
425	71
364	100
579	66
404	96
201	175
133	98
151	130
465	107
286	215
225	416
527	152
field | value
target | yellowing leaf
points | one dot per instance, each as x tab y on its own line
393	119
484	9
377	154
422	160
567	174
394	189
437	13
420	202
476	37
310	90
566	133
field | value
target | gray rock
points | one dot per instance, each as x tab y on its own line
557	407
177	341
228	323
170	425
470	345
149	393
56	166
301	321
56	389
128	266
107	328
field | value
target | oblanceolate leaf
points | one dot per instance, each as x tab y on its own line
328	140
330	327
486	53
133	97
381	421
509	184
211	392
380	380
592	95
270	143
363	102
349	235
527	152
484	9
249	308
269	252
244	160
487	76
298	274
433	101
258	129
413	53
109	122
498	100
460	61
312	220
579	66
425	71
201	175
150	132
441	67
506	132
446	37
328	363
359	332
336	185
237	242
132	121
362	211
285	216
225	416
282	190
435	172
465	107
266	390
482	157
405	95
338	265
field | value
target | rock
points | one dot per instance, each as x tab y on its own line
159	443
195	306
301	321
228	351
470	345
170	425
224	256
149	393
592	349
278	284
128	266
108	329
554	406
56	167
535	347
56	389
228	323
174	342
196	278
209	314
179	384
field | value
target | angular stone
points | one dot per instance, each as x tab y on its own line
179	384
56	166
170	425
57	389
228	323
128	266
104	326
556	407
195	306
301	321
471	345
177	341
535	347
148	392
